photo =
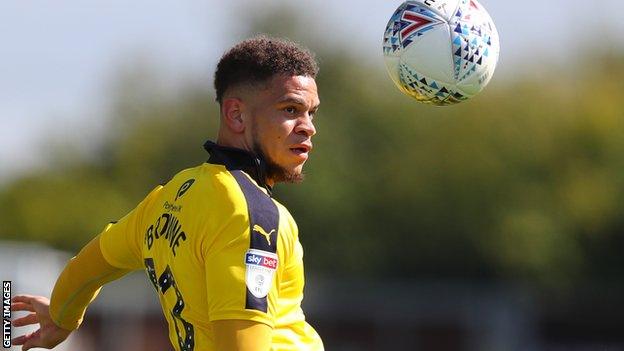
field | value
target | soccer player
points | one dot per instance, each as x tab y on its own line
223	256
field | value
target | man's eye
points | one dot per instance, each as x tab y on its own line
291	110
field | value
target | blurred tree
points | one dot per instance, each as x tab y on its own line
522	182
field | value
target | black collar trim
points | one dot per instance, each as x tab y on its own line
239	159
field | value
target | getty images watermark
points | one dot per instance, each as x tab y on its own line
6	314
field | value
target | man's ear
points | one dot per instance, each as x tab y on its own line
232	113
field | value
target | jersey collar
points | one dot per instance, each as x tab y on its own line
238	159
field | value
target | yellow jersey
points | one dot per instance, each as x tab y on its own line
217	246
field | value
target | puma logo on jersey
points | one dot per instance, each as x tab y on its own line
261	230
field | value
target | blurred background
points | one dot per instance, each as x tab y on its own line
496	224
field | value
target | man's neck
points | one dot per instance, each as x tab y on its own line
235	142
241	145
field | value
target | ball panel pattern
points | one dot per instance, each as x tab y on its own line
428	90
409	22
474	40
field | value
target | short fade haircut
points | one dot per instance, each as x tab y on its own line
258	59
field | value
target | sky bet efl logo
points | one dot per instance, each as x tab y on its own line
255	257
260	269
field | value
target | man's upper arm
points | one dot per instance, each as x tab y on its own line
228	279
242	258
241	335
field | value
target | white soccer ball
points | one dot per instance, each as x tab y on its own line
441	52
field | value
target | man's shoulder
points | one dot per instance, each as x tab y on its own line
286	219
212	186
283	211
202	186
206	176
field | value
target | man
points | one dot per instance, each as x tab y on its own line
223	256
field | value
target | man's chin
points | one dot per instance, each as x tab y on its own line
288	176
294	178
281	174
278	173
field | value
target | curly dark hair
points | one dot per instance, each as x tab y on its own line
258	59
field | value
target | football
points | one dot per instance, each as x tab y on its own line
441	52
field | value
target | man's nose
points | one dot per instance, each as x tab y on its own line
306	126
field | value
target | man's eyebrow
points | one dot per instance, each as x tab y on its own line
291	99
294	100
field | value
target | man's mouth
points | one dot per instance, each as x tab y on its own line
301	149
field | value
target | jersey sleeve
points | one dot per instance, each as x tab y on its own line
121	241
226	277
79	284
